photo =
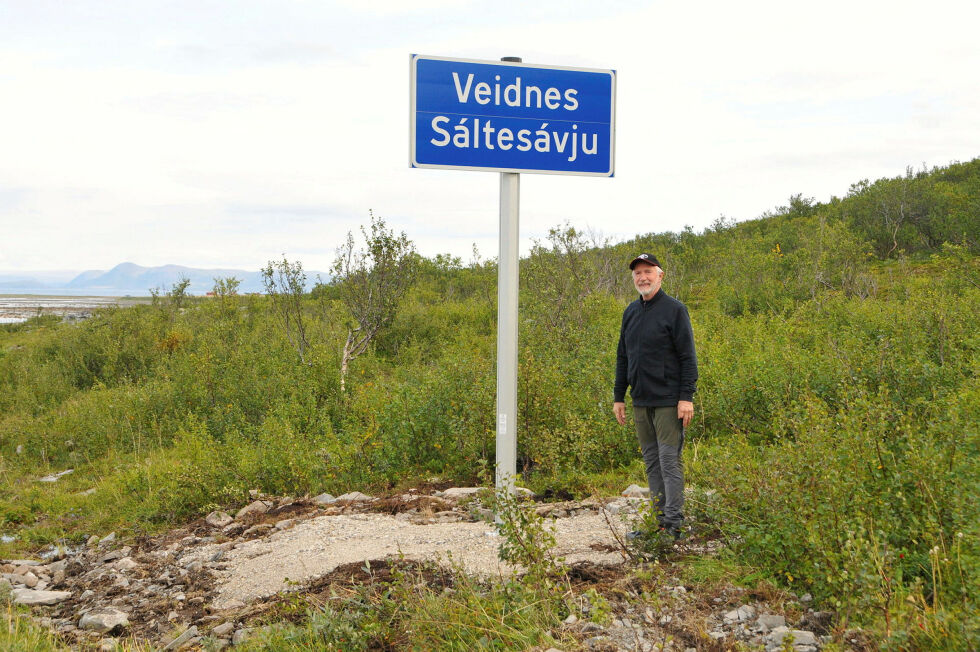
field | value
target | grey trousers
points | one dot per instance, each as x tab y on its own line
661	438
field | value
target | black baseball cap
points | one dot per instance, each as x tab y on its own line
650	259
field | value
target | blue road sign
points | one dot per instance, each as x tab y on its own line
512	117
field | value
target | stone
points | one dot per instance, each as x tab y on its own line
256	507
5	587
234	604
460	492
743	614
324	499
54	477
571	620
86	594
233	529
29	579
240	636
218	519
354	496
524	492
188	634
109	538
108	645
223	629
768	622
636	491
260	529
92	541
30	596
126	563
779	635
806	597
285	524
103	620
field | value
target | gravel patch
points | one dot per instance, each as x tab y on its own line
261	567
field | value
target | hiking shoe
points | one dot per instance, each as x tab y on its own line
673	531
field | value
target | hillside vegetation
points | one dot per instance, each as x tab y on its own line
837	416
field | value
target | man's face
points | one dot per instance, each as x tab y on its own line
646	279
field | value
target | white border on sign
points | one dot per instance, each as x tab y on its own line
412	58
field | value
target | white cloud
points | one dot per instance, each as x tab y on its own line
231	139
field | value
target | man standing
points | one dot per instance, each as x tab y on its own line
656	359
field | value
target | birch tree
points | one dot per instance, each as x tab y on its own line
372	281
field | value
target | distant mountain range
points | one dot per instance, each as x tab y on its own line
136	278
130	279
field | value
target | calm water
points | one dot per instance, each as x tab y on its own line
18	308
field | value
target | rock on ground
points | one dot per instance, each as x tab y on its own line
103	620
30	596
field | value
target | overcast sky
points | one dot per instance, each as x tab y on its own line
225	134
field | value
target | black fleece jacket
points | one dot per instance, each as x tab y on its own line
656	353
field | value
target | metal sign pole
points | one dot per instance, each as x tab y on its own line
507	288
507	293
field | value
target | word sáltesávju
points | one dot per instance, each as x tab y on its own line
481	133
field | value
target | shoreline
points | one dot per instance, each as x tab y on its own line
18	308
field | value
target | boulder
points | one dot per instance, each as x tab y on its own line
104	619
324	499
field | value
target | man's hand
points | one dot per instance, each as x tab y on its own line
685	412
619	409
